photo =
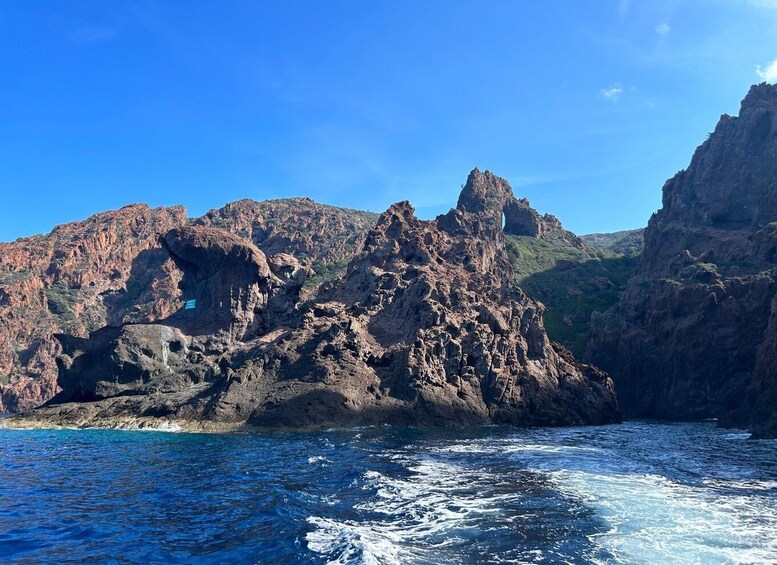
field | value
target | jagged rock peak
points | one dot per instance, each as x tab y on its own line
491	198
485	193
729	183
763	93
403	210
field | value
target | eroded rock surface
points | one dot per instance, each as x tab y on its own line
112	269
108	269
689	337
491	197
426	327
324	237
234	296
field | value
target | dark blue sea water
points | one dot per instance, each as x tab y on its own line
632	493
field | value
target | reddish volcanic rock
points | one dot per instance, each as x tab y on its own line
112	269
426	327
690	335
74	280
492	197
324	237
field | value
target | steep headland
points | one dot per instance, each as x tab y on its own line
693	335
291	313
427	326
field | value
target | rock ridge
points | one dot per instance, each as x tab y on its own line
426	327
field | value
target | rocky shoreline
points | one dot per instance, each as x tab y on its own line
426	327
293	315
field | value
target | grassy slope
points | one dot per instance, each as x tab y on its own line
571	282
627	242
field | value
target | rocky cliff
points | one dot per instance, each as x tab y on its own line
324	237
571	277
82	276
692	336
427	327
487	195
112	269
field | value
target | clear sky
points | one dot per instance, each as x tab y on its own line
586	107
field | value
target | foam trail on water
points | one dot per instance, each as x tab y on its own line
655	520
415	517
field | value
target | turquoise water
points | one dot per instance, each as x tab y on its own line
631	493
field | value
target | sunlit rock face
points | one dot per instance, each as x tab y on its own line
492	198
232	294
425	327
107	269
112	269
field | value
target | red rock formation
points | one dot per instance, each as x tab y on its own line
325	237
76	279
485	193
684	340
427	327
111	269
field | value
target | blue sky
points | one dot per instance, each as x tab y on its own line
586	107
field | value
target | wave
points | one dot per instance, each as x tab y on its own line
649	502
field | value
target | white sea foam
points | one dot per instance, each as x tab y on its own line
738	435
654	506
422	513
654	520
349	542
511	446
165	427
145	426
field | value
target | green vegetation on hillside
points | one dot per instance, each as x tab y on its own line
530	255
572	282
627	242
325	272
61	299
63	302
8	278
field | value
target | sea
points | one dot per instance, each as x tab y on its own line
637	492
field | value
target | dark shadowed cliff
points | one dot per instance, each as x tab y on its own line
693	335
